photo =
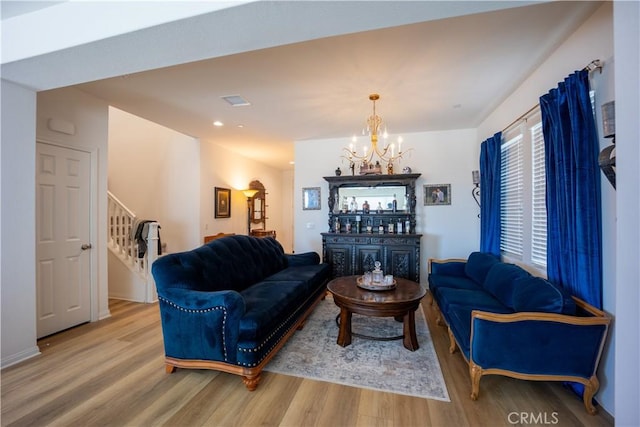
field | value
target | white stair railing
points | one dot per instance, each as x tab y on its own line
121	243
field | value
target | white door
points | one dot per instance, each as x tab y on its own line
63	255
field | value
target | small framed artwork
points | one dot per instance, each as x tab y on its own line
437	194
222	202
311	198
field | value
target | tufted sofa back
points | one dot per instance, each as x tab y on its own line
230	263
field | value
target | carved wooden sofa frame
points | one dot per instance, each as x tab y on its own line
521	331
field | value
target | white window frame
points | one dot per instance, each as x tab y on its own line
527	254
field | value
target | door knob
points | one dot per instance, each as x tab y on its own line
85	246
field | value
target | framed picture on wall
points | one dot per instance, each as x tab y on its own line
222	202
311	198
437	194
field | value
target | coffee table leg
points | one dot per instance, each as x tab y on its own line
344	334
409	330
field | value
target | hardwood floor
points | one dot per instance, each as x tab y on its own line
111	373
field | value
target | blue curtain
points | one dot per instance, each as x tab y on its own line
574	258
490	195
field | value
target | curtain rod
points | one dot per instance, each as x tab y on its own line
520	118
596	64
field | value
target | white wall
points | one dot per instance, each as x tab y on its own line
155	172
18	277
592	40
223	168
164	175
286	233
446	157
90	117
603	84
627	296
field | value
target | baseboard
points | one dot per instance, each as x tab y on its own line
20	357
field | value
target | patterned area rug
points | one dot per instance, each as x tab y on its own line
379	365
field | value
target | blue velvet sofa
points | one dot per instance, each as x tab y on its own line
507	322
232	303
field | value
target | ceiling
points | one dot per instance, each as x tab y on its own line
436	75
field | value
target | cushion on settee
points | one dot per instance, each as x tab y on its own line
500	281
311	275
450	268
539	295
437	281
473	299
478	266
460	323
306	258
268	304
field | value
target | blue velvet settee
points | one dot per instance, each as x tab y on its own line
507	322
232	303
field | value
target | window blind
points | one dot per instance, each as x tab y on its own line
538	196
511	198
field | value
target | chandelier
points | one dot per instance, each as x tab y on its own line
372	157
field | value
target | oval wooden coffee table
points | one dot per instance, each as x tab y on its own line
401	302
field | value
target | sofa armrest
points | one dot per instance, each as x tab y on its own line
306	258
211	319
448	267
538	344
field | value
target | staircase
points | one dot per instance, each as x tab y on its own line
129	275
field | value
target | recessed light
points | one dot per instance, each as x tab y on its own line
292	162
218	123
457	105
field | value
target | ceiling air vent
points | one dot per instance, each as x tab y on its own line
236	100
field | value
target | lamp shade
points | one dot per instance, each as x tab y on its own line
249	193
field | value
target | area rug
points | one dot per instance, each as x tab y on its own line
379	365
